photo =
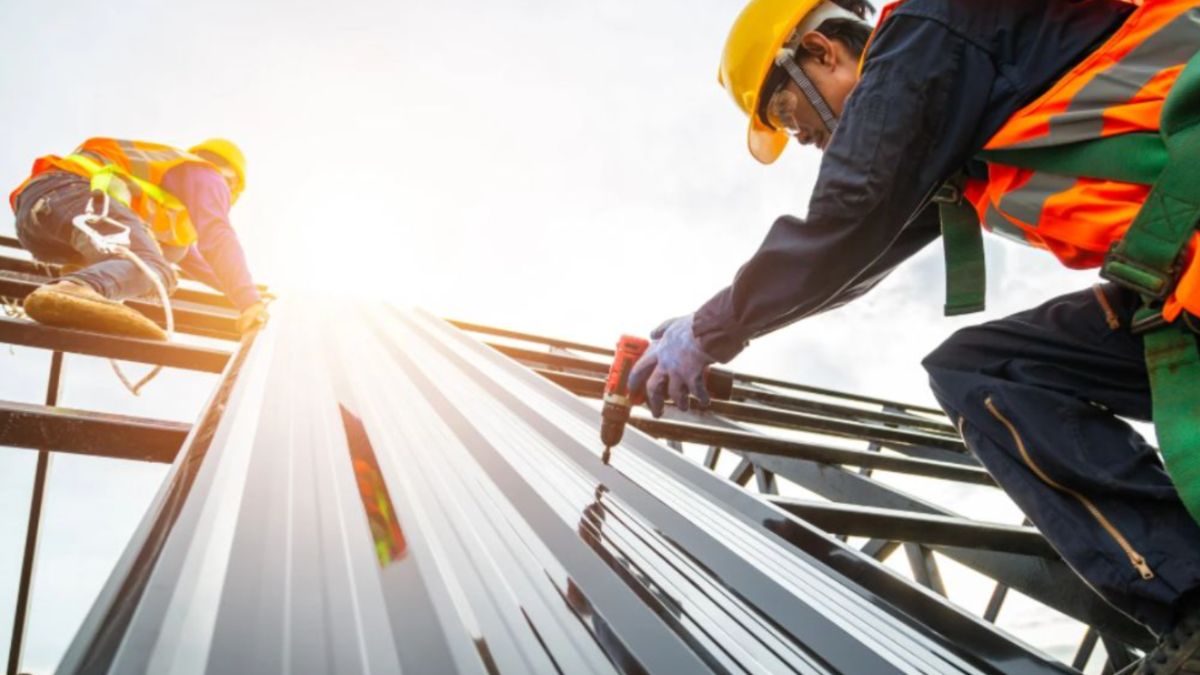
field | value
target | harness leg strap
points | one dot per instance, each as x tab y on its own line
962	242
1173	364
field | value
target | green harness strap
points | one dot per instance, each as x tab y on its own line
1173	364
962	246
1146	259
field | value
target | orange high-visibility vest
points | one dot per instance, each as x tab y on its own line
1118	89
142	165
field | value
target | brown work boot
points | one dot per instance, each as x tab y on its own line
67	304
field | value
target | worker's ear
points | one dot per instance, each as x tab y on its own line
820	49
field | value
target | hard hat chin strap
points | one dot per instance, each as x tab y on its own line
787	60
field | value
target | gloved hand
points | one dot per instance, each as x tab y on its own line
253	317
673	364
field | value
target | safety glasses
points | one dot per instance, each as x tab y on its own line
783	104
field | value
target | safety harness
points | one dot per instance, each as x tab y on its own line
108	183
1147	259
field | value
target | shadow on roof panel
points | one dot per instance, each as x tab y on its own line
390	495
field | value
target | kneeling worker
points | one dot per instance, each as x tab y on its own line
1070	126
175	205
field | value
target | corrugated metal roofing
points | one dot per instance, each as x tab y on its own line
388	494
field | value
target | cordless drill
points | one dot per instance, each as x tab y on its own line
618	400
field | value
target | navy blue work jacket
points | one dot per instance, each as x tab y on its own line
940	78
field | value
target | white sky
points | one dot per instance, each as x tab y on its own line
557	166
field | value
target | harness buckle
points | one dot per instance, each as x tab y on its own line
1145	321
949	192
1149	282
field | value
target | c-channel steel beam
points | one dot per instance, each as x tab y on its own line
30	334
898	439
218	300
738	377
41	472
925	568
89	433
918	528
751	393
529	337
740	440
208	322
45	272
784	384
1086	647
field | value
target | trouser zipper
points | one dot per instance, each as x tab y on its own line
1110	317
1135	558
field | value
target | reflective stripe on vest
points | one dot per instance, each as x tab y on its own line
141	166
1118	89
102	174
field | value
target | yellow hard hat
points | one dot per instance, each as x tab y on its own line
760	31
231	153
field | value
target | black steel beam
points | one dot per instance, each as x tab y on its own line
919	528
29	267
740	440
89	433
208	322
738	377
784	384
529	337
47	272
1086	647
925	568
992	611
33	527
901	420
30	334
752	394
743	412
14	264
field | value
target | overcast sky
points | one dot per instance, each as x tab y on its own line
556	166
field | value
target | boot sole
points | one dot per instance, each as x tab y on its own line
67	310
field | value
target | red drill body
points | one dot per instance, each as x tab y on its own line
618	399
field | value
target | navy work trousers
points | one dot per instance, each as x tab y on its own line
1039	398
45	209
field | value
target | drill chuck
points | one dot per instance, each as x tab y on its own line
612	423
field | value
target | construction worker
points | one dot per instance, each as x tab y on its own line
1053	122
175	205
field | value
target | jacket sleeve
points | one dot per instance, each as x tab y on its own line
910	123
195	265
204	192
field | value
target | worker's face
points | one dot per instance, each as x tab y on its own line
834	71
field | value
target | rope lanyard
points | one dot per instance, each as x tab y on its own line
118	244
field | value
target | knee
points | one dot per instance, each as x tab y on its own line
953	355
170	279
955	370
162	270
